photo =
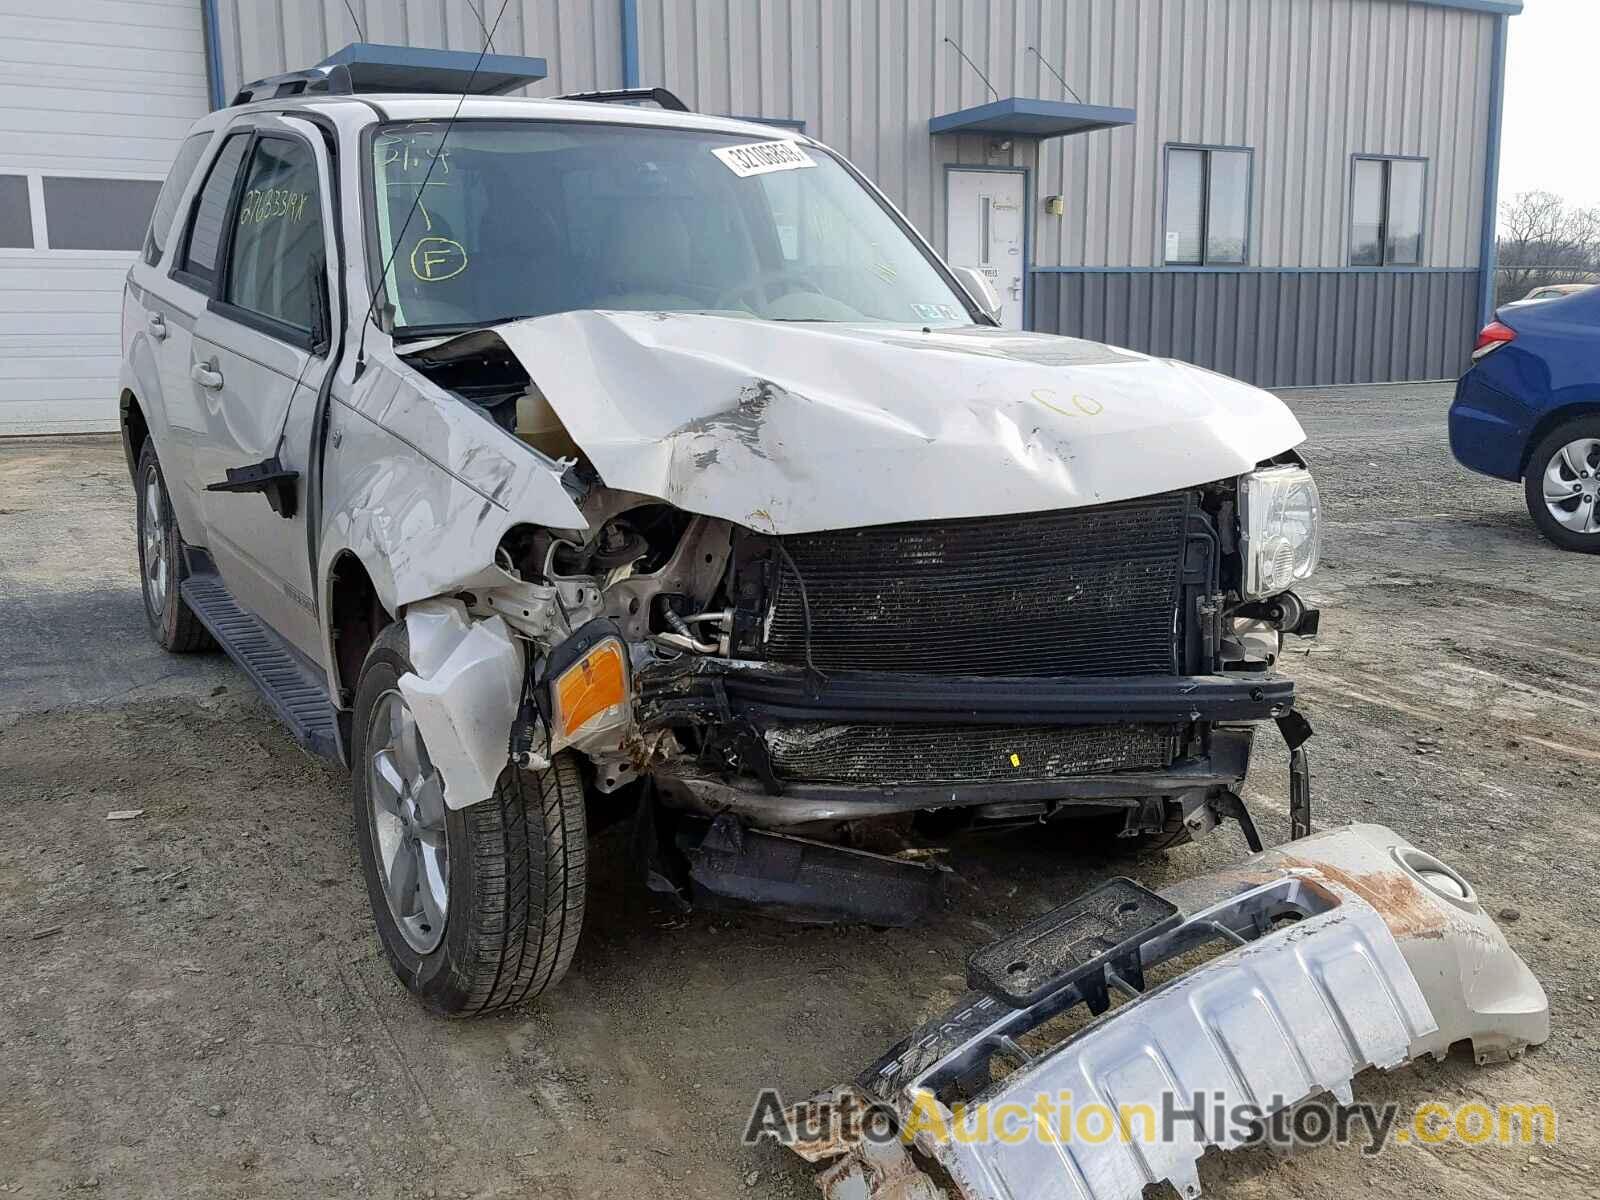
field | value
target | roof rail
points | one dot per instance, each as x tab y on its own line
376	67
660	96
292	83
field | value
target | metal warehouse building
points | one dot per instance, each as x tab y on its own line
1291	191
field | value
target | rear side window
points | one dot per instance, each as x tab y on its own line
166	209
206	227
277	242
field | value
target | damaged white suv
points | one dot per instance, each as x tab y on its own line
572	460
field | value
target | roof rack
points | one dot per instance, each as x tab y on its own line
376	67
660	96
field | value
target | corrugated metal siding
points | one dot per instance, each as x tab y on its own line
91	88
865	76
581	40
1305	83
1403	79
1275	328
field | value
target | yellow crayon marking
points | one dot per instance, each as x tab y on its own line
1086	406
434	259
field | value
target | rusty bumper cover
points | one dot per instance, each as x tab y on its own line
1349	950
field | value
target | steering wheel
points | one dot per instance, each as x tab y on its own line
759	289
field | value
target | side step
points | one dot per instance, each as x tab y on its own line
295	694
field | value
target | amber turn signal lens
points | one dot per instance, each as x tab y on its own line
596	682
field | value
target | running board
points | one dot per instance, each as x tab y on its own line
294	692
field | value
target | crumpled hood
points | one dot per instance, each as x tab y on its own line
788	428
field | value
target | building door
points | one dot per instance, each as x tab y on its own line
984	229
97	99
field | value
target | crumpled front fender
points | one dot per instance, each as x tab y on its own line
463	695
1349	950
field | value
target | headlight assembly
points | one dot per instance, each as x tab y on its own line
1280	523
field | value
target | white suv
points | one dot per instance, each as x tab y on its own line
551	462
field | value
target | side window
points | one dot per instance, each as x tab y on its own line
204	242
277	242
166	209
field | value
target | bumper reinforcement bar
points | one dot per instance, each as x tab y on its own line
711	688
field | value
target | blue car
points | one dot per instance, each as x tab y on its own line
1529	410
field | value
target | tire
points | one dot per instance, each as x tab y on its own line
1547	467
513	870
172	623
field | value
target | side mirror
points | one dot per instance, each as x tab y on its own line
321	317
981	291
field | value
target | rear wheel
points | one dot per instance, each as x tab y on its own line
1562	485
477	908
172	623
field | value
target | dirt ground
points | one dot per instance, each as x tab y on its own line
192	1003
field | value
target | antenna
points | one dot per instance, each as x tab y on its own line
438	153
354	21
1057	74
974	66
488	39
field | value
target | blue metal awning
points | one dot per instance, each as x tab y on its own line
1018	116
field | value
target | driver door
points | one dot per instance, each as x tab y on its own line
259	356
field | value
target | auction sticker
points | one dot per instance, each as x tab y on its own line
761	158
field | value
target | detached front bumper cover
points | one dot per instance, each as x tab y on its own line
1349	950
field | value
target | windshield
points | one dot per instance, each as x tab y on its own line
529	218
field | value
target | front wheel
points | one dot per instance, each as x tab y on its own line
1562	485
477	908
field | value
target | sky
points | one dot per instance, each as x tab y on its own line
1547	140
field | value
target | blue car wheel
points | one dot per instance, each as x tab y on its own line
1562	485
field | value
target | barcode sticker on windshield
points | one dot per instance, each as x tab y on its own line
759	158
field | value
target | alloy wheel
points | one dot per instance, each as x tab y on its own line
153	545
406	796
1572	485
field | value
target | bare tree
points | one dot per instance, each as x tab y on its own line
1543	241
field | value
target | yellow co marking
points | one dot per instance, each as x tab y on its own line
437	258
1082	406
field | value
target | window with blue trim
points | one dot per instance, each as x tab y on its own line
1208	207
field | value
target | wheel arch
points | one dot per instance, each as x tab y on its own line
356	616
1552	420
134	427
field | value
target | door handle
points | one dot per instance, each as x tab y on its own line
207	378
158	327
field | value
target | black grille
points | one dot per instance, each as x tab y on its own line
906	754
1086	591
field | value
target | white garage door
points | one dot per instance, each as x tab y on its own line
95	98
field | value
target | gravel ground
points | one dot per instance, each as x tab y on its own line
194	1005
